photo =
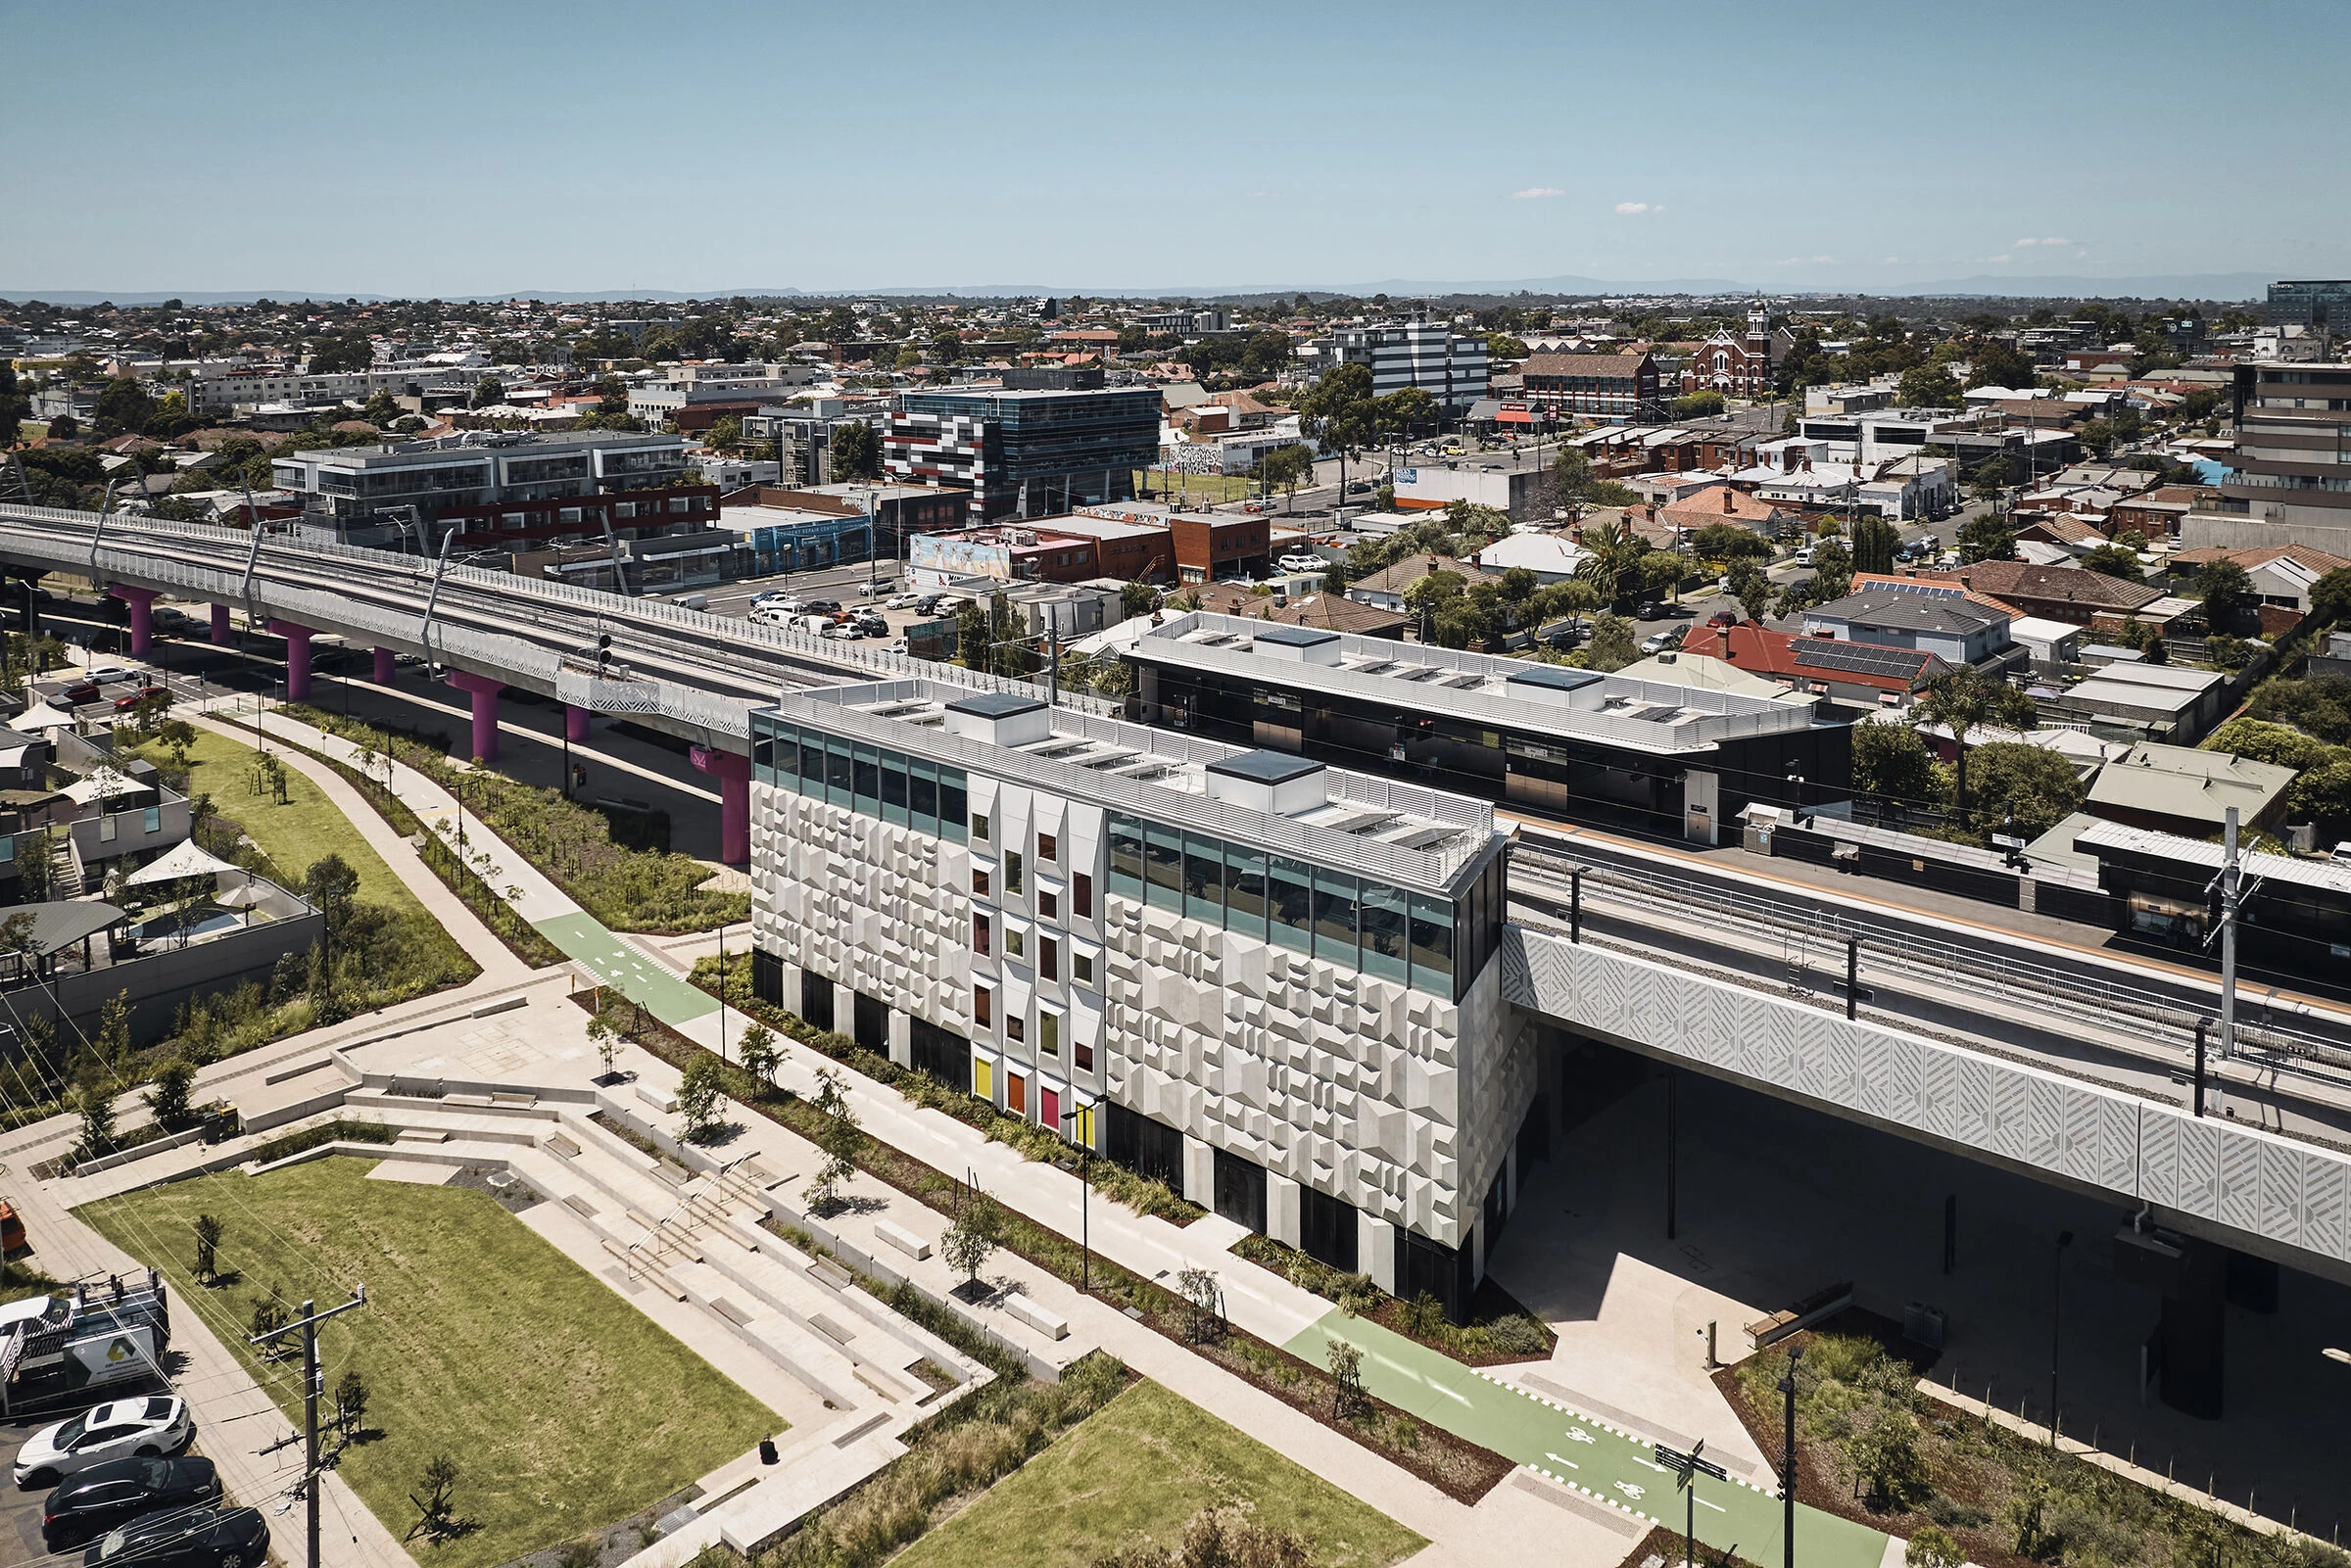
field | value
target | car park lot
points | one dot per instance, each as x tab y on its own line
21	1507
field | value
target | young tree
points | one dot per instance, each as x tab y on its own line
207	1247
334	887
1137	598
701	1097
759	1055
1965	700
838	1139
1346	1361
974	1237
1571	475
351	1401
1203	1304
604	1037
436	1513
269	1316
174	1082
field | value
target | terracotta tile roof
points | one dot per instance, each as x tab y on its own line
2015	581
2318	560
1783	655
1719	504
1395	579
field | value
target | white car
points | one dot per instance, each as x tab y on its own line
143	1428
904	601
109	674
842	631
1303	563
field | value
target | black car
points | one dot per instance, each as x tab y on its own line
89	1504
192	1538
822	606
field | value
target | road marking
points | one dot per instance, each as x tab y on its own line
1631	1491
1569	1463
1716	1506
1416	1377
1648	1465
1576	1434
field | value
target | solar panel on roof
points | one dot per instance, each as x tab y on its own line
1858	658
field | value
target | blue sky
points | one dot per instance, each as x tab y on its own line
431	148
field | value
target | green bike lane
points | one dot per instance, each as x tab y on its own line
1590	1456
590	943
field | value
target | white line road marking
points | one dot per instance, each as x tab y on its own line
1716	1506
1576	1434
1646	1465
1569	1463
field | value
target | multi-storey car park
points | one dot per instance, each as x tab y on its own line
1668	759
1264	979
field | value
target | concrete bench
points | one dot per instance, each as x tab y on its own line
420	1135
904	1240
1037	1315
664	1100
524	1102
580	1205
471	1101
563	1146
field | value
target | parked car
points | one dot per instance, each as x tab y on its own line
1661	641
842	631
143	1427
202	1538
1652	610
822	606
87	1507
768	595
905	602
872	625
1723	618
788	603
1303	563
1804	557
107	674
876	588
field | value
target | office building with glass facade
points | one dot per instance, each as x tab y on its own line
1267	981
1025	454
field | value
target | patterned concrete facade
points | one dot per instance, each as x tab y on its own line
1399	1102
2238	1184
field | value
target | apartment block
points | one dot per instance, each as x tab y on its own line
1266	980
1024	454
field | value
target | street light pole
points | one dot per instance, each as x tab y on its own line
1787	1465
2065	1239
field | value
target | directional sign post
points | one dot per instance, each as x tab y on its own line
1687	1468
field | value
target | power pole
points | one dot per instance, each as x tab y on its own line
2228	898
311	1376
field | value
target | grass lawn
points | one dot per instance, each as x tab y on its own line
564	1407
305	829
1140	1468
1197	487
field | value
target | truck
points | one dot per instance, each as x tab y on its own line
98	1332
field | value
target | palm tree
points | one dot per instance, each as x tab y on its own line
1965	700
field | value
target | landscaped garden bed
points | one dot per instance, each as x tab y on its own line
1460	1468
1871	1448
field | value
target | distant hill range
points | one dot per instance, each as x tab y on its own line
2232	286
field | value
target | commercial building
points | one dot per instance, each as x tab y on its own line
1880	435
1006	554
1452	368
224	390
2290	479
1666	758
1523	492
804	431
1595	386
2317	304
504	492
1024	454
1267	981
